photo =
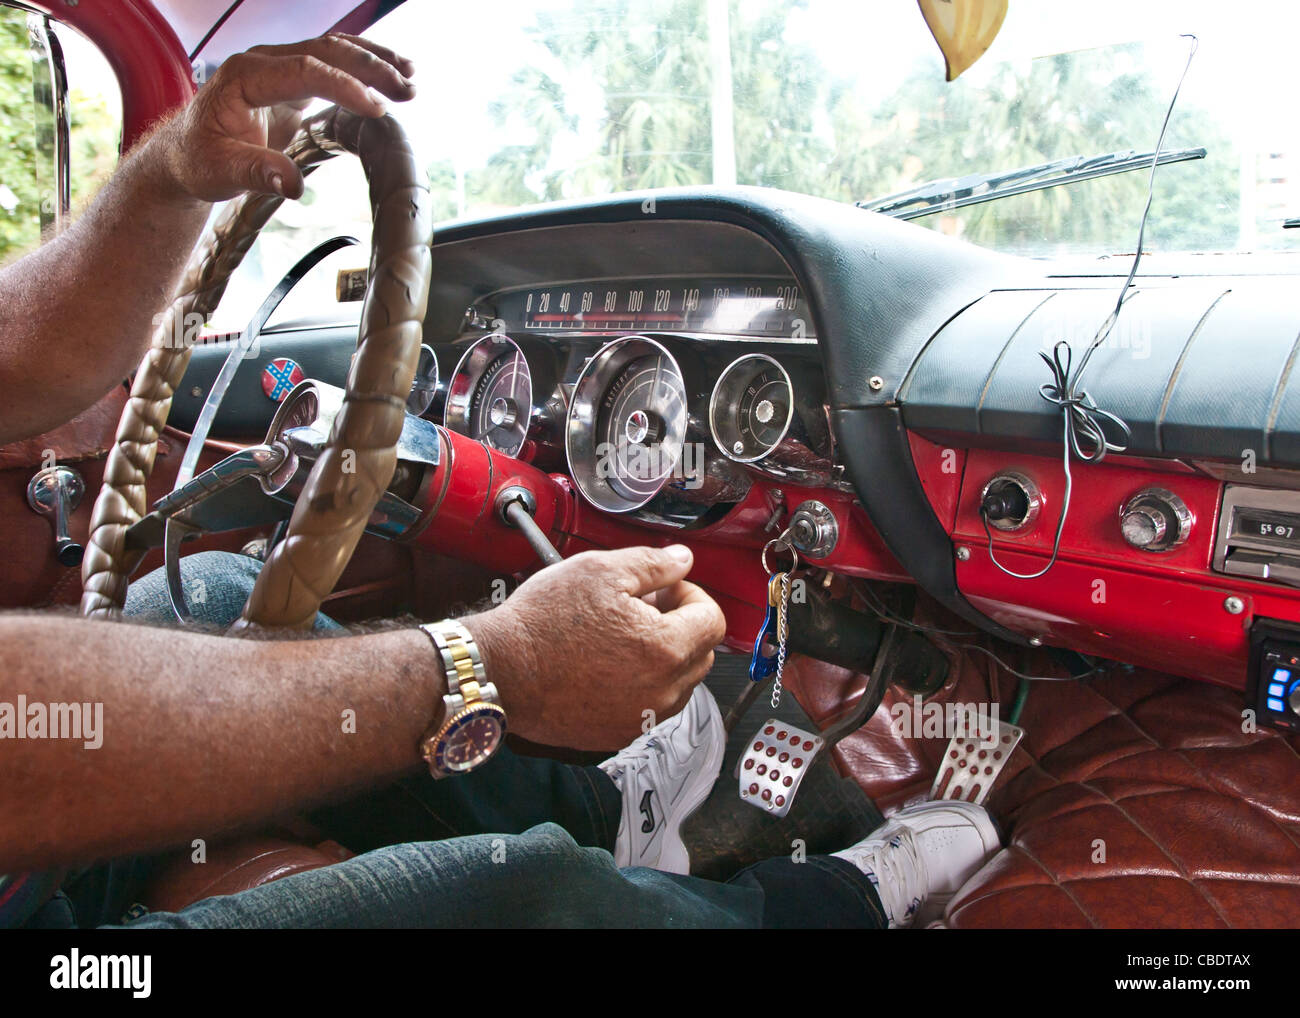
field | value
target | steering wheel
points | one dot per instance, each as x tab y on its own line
351	474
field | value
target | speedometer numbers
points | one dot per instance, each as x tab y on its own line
490	395
751	407
627	424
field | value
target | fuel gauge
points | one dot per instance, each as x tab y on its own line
751	407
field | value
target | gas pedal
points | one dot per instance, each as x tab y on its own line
971	764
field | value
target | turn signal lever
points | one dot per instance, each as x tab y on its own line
55	492
516	506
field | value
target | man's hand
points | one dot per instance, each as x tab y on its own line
231	138
77	314
579	652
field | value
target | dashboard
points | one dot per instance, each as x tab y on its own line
662	398
741	359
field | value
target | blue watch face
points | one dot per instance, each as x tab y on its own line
472	737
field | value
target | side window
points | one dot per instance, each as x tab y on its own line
38	60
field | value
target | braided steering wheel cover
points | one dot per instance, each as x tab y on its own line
348	479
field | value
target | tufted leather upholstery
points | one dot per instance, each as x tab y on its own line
1199	821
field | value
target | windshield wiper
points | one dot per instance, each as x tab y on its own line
977	188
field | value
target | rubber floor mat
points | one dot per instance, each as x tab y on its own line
726	834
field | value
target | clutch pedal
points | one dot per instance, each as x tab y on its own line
775	761
971	765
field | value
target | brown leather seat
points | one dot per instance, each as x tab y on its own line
232	867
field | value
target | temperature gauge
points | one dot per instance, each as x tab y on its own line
751	407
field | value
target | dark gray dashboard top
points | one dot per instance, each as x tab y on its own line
1197	367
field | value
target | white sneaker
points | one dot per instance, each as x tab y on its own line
664	776
920	857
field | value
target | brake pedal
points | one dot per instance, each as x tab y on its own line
971	764
774	763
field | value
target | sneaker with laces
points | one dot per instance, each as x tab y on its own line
920	857
664	776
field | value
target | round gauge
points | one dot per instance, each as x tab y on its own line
490	395
627	424
425	383
751	407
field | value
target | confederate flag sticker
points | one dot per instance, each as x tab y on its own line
280	376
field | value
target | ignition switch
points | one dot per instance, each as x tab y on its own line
813	530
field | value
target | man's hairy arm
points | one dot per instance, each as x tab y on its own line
76	314
200	733
206	733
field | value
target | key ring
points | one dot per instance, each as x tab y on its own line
782	541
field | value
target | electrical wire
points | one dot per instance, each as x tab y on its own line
1081	416
1094	670
884	613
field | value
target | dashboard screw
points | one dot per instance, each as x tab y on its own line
1035	641
1234	605
876	383
963	554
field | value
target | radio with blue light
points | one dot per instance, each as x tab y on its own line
1273	687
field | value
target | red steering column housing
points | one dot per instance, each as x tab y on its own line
460	518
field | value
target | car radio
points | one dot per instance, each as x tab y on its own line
1259	534
1273	682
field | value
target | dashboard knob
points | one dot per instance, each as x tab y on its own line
1010	501
1143	527
1294	698
1155	519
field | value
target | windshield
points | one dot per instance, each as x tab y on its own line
526	101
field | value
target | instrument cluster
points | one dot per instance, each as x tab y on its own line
670	423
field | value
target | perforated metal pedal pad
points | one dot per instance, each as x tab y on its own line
775	761
971	763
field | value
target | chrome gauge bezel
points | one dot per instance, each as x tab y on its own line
582	439
466	380
728	374
424	386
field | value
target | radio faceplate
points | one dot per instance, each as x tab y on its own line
1259	534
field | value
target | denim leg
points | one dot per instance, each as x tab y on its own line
822	892
216	583
541	878
508	795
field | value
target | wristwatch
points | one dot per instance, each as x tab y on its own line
473	722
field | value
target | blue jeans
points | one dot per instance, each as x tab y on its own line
521	841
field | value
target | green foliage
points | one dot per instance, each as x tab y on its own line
20	227
94	141
801	126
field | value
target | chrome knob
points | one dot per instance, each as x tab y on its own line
1294	698
1155	519
1143	527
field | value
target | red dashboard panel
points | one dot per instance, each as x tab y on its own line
1164	610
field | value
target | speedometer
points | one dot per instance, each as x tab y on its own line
490	395
626	424
751	407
